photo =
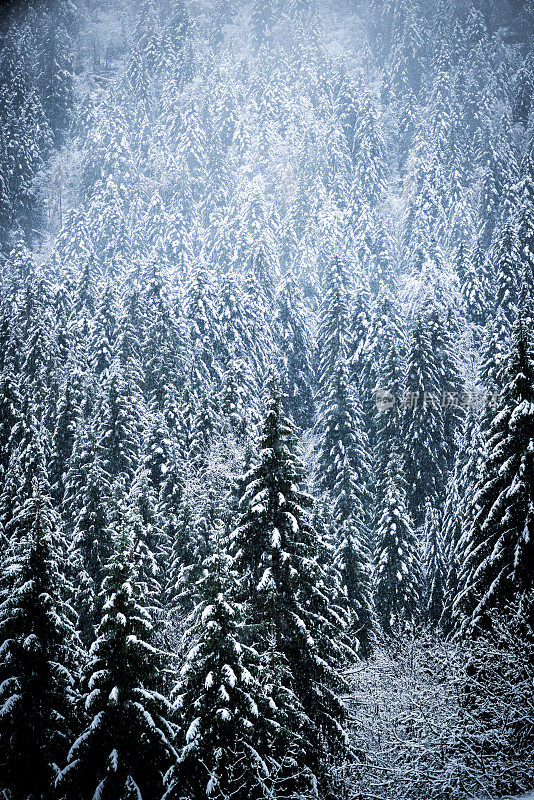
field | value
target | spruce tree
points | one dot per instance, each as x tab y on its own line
397	574
234	741
458	510
498	547
263	18
423	429
342	457
56	76
88	504
119	425
507	270
297	347
434	570
10	411
125	747
38	654
342	473
291	591
387	423
63	438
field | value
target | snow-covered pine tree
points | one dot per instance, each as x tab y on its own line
498	546
292	328
434	569
474	285
333	335
342	473
342	457
397	573
525	215
234	739
10	418
151	546
289	588
388	419
458	509
39	653
27	461
119	425
125	746
263	18
442	329
38	343
104	331
224	13
507	269
369	151
523	94
423	430
235	400
384	335
87	509
56	76
63	438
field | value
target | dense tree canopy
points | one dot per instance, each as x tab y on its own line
266	412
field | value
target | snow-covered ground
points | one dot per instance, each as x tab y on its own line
528	796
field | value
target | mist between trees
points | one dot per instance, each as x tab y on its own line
266	400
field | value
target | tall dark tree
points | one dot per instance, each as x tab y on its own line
397	574
434	570
119	425
125	747
88	506
498	547
240	729
38	654
297	347
423	425
289	588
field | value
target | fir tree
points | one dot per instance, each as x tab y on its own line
38	654
282	572
232	728
498	546
126	744
397	578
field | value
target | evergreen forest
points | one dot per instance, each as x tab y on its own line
266	399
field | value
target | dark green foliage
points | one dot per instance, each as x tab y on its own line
288	588
125	747
498	545
235	740
38	652
397	577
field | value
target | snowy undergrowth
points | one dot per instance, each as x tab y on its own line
432	721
